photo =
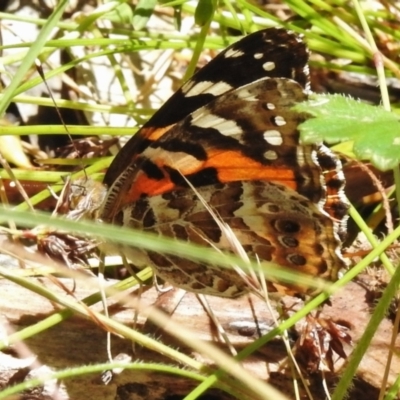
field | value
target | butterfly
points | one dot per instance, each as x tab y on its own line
229	137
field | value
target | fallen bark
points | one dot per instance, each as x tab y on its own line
79	341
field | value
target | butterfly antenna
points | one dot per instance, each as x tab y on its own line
39	69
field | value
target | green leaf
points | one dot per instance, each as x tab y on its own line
142	13
204	11
33	52
375	132
122	14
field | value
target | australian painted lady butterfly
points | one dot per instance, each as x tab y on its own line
231	133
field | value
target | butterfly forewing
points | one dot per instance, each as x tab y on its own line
246	134
270	52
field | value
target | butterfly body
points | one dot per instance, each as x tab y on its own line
232	142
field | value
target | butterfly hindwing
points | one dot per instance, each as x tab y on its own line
290	232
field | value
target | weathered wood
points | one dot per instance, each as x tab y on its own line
79	341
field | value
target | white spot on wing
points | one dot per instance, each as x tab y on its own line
227	127
270	106
280	121
258	56
245	94
270	155
233	53
273	137
269	66
205	87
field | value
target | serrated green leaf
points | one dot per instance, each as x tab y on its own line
375	132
